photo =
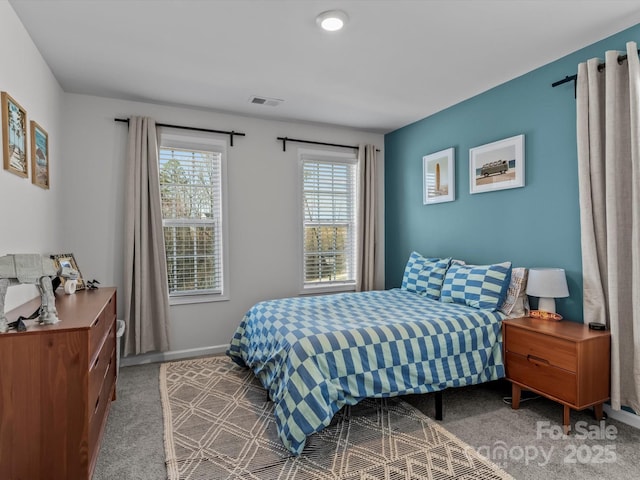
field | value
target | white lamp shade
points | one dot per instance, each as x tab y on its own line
547	283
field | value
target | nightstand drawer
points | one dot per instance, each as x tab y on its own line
556	351
537	374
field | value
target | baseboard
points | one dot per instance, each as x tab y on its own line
623	416
172	355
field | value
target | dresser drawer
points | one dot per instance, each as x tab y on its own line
101	326
555	351
98	406
100	366
542	376
110	307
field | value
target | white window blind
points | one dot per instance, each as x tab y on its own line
329	221
191	194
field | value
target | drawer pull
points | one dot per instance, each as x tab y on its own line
97	403
96	362
108	369
537	360
97	321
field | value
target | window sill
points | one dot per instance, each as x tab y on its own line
189	299
321	289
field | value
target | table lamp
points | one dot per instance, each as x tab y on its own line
547	284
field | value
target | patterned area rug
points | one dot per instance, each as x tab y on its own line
219	425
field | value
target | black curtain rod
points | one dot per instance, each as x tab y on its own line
311	142
196	129
568	78
574	78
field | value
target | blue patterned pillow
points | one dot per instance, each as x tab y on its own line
425	275
478	286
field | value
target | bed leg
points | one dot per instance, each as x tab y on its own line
439	411
267	393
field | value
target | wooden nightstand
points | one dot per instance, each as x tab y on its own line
563	361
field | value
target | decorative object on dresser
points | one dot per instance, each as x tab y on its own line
29	268
67	260
548	284
563	361
56	388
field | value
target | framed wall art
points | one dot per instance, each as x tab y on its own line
14	136
39	156
68	260
497	166
439	179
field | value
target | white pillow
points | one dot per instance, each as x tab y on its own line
516	303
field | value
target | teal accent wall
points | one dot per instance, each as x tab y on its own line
534	226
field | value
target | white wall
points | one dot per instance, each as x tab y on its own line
29	217
263	211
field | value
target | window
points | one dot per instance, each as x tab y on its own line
328	220
192	193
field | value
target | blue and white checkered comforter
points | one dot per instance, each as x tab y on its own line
317	354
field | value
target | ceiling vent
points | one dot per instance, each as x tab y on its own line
269	102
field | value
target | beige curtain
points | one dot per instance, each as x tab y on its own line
608	123
367	218
146	297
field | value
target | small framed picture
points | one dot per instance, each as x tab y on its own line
69	261
439	178
39	156
14	136
497	166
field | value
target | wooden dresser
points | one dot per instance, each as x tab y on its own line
563	361
56	387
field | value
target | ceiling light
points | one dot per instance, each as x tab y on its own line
332	20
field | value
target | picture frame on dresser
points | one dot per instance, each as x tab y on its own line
14	136
497	165
68	260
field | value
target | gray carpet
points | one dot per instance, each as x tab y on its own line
133	448
478	416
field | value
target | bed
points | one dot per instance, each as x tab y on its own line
316	354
